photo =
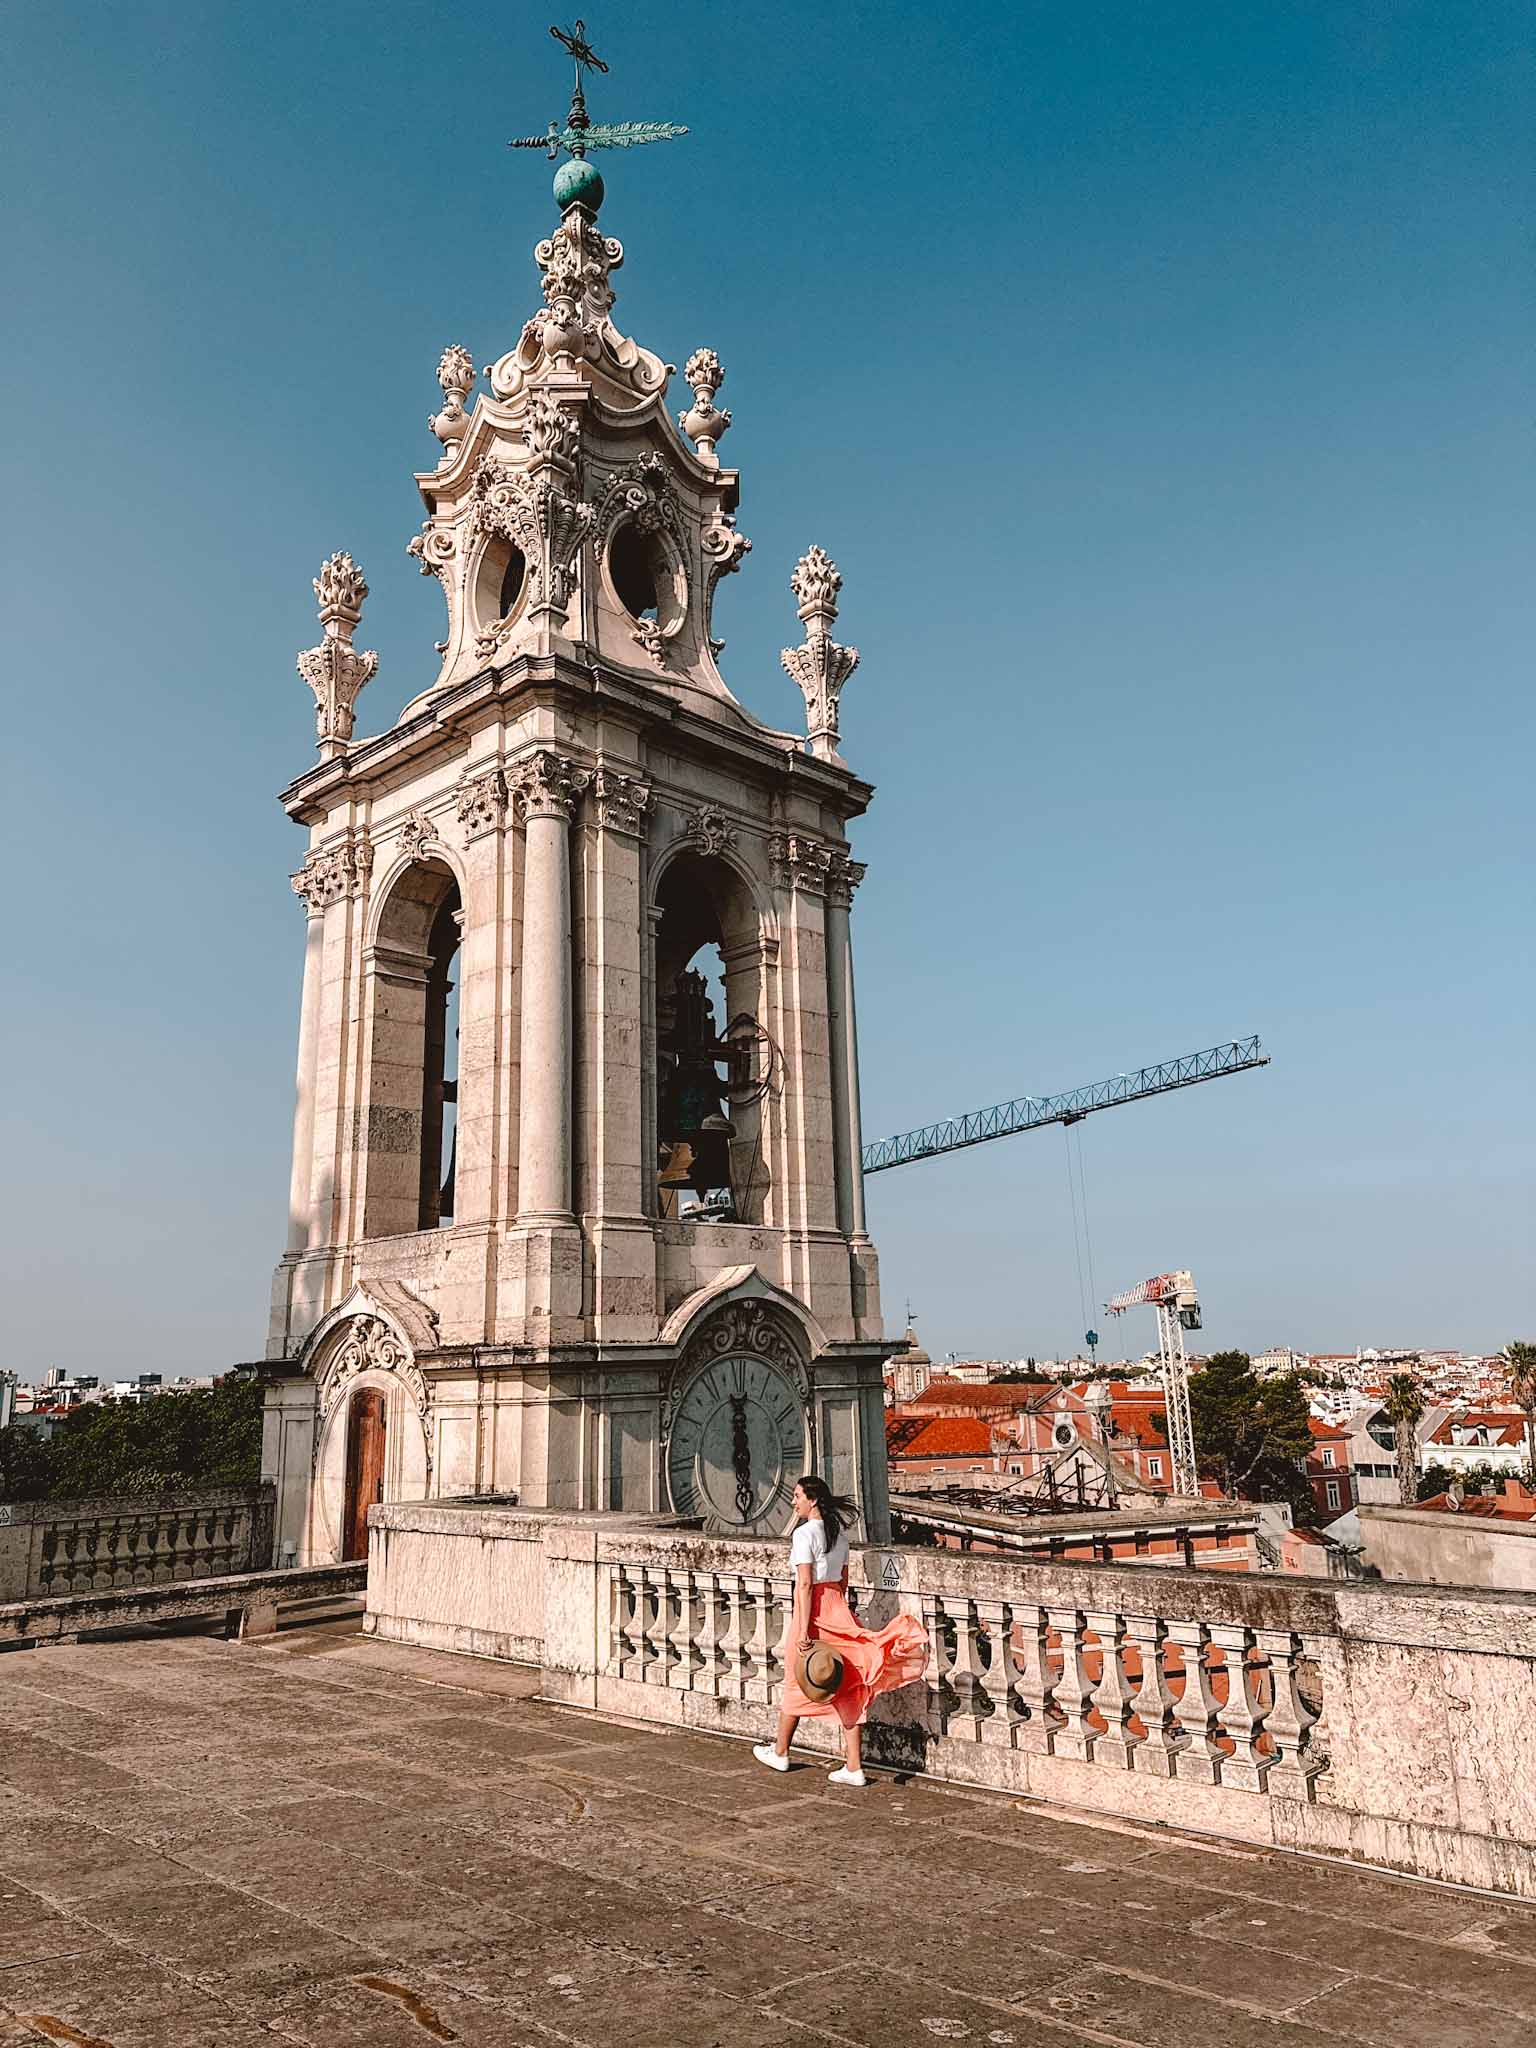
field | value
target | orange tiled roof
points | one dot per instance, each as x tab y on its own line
955	1393
1491	1507
945	1436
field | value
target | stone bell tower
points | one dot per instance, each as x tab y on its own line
576	1208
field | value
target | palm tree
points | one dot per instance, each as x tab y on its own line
1520	1370
1405	1409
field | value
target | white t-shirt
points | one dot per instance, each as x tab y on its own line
808	1545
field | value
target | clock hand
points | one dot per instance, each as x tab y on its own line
741	1456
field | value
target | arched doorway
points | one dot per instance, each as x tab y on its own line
365	1468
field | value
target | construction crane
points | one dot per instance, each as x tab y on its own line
1032	1112
1178	1309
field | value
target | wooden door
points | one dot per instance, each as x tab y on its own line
365	1468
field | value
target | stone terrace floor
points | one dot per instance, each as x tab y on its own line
319	1839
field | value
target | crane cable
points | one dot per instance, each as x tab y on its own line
1082	1235
1077	1245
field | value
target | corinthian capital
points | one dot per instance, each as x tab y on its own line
335	670
622	800
547	784
843	877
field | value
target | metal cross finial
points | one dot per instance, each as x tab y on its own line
579	133
575	40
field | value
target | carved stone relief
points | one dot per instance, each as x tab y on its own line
338	871
335	670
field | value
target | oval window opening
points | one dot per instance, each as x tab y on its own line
632	565
512	584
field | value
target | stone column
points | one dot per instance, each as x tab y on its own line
547	787
300	1204
843	1036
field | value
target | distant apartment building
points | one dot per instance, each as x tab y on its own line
1328	1470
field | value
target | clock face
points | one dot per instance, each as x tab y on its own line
737	1446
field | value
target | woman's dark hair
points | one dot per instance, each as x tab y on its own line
836	1510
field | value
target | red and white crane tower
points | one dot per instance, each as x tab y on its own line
1178	1309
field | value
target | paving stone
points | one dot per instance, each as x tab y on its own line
64	1859
875	2009
31	1929
1164	2016
1403	1904
392	2008
1405	1959
218	1938
1389	2016
123	2002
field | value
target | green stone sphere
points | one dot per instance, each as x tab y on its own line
578	183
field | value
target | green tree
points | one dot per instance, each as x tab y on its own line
1520	1370
187	1437
1252	1435
1405	1410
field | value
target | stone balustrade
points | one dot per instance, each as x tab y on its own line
51	1548
1393	1725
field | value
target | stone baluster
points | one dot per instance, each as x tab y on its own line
731	1644
1200	1760
757	1686
654	1580
1290	1725
994	1619
1037	1681
967	1673
941	1645
708	1663
781	1620
681	1648
1242	1717
1074	1689
620	1612
1113	1697
1154	1704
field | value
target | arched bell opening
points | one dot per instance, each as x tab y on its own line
410	1128
647	580
500	585
714	1063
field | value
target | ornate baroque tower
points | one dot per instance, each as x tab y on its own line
576	1206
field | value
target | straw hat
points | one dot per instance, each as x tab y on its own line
818	1671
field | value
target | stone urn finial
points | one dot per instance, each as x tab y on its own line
704	422
820	667
335	670
456	374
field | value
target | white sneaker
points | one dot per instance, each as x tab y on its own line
767	1754
843	1776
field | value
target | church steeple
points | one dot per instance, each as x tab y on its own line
577	1120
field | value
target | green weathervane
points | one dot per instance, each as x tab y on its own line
579	181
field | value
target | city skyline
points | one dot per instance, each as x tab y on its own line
1181	537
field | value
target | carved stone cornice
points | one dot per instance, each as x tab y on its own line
336	872
710	829
482	802
622	800
820	667
335	670
547	784
843	877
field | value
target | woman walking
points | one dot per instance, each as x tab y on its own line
853	1664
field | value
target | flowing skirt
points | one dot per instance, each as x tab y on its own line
874	1660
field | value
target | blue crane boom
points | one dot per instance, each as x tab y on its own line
1029	1112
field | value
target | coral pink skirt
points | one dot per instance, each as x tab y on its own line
874	1660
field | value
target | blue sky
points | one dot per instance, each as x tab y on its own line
1158	377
